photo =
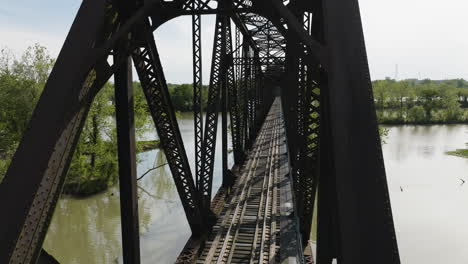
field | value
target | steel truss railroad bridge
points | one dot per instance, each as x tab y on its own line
316	146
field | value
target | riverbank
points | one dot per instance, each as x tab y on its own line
418	116
421	123
94	221
462	153
91	183
415	160
147	145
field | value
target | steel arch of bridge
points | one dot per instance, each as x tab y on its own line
313	50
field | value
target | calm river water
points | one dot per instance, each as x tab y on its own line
88	230
430	213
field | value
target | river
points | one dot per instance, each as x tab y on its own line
88	230
430	209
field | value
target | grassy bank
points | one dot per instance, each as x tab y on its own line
417	116
463	153
146	145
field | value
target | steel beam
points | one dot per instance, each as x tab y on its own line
224	131
224	105
197	91
290	93
232	99
125	122
310	127
243	96
37	172
331	138
149	69
328	228
315	48
363	204
212	108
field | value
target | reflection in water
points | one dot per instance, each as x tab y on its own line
88	230
429	206
430	214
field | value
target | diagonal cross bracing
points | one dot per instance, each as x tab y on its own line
154	85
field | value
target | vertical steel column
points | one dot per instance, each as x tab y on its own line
240	91
233	99
127	158
212	108
328	229
311	126
244	95
290	87
365	217
258	106
251	93
224	80
224	133
238	49
197	90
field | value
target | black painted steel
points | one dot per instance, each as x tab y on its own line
218	66
197	90
149	69
310	128
244	94
37	172
232	98
225	39
363	204
328	229
327	101
125	122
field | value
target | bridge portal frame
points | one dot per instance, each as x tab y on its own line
328	101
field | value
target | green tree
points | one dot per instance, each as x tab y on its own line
182	97
427	96
21	83
94	163
417	114
399	92
449	102
380	94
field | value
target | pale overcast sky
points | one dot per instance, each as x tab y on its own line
426	38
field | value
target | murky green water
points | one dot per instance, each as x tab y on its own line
430	213
429	201
88	230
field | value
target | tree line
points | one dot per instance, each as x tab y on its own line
421	101
94	164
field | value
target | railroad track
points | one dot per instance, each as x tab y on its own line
247	230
